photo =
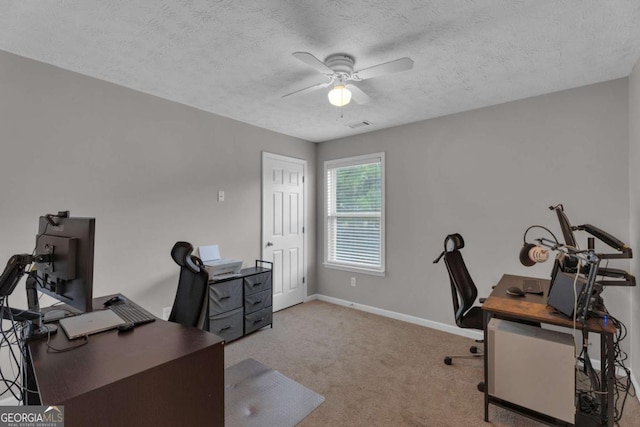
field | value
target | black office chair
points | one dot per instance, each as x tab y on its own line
463	292
192	285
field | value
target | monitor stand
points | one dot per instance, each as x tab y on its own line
37	328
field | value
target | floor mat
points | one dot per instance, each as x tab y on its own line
256	395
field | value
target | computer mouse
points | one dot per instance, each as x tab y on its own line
114	300
125	327
515	291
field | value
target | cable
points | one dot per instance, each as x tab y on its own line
588	400
62	350
542	227
623	387
10	340
46	227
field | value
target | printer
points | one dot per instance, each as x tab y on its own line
216	266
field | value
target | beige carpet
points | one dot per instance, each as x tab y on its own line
375	371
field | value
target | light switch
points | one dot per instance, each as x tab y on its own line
220	196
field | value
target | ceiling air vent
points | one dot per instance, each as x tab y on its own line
359	124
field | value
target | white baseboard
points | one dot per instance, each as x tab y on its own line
433	325
311	298
469	333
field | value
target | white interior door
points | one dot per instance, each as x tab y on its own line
283	223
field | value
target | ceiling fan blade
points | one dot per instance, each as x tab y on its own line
390	67
313	62
358	95
308	89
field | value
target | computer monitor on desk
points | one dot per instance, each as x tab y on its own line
68	276
568	263
62	267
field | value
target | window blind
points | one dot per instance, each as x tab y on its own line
354	202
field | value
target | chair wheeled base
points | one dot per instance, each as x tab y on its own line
476	353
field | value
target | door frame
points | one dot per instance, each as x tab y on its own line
303	162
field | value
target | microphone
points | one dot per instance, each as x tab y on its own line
531	254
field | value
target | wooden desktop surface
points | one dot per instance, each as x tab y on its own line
160	373
533	307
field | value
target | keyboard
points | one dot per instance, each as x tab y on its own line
132	313
532	287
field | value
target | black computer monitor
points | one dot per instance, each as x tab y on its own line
565	227
68	277
568	264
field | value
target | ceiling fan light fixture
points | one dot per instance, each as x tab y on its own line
339	96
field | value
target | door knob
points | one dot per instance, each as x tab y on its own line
269	243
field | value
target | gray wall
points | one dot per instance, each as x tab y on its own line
147	169
634	197
488	174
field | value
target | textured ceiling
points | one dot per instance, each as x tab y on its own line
233	58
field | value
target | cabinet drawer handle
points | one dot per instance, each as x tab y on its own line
258	321
257	302
225	297
257	284
225	328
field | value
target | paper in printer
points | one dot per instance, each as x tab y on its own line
215	264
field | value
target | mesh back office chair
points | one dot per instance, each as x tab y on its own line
463	291
192	285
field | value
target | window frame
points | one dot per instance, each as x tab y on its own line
346	162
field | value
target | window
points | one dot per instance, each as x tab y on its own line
354	222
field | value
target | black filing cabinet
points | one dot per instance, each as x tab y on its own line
241	304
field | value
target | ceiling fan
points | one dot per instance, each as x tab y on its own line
338	69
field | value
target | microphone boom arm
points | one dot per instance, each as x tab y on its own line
592	260
586	256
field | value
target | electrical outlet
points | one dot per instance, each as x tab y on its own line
220	195
166	312
353	282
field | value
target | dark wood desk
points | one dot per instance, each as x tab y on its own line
535	308
160	374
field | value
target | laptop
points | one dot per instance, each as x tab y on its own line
562	296
90	323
